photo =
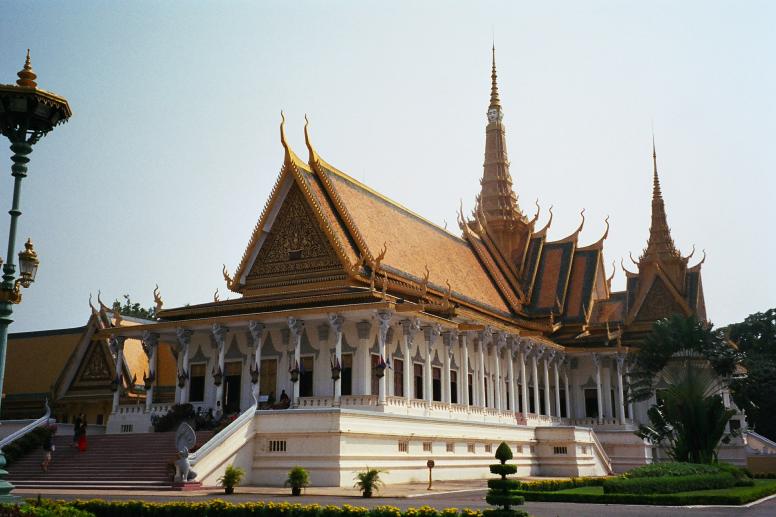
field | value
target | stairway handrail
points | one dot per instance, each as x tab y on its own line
758	436
602	453
27	428
222	435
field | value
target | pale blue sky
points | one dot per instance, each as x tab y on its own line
173	147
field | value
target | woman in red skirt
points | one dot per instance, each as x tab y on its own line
81	431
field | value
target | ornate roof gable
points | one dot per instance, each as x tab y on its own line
298	236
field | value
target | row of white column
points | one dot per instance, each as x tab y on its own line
619	394
487	354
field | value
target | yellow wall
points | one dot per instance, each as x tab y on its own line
35	359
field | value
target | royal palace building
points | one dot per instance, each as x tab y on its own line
364	334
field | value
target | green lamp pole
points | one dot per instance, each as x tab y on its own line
27	113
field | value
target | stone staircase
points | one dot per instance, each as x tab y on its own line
112	461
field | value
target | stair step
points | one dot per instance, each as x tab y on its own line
116	462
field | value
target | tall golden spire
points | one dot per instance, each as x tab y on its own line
495	103
497	202
660	244
26	75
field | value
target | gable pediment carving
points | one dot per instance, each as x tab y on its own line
295	244
659	303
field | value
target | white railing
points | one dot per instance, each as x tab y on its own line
766	446
222	435
316	401
133	409
27	428
602	453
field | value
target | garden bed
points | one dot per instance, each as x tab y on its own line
595	494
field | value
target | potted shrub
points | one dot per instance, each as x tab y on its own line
298	478
231	478
368	481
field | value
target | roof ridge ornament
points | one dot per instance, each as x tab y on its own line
312	156
26	75
158	302
609	280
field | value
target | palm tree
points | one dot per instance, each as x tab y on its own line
691	418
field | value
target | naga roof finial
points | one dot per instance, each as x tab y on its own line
611	277
158	302
26	75
94	310
313	156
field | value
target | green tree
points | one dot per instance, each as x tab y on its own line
134	310
755	393
691	419
676	334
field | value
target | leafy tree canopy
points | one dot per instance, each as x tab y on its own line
134	310
756	393
679	334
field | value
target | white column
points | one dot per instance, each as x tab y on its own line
481	373
447	340
557	386
568	393
547	357
408	326
535	371
464	369
433	332
362	362
296	328
511	372
336	321
118	350
597	364
485	338
219	333
184	342
499	345
150	345
524	348
257	334
384	320
620	392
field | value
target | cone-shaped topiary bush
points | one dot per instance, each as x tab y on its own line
502	491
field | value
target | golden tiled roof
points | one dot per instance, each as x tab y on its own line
414	243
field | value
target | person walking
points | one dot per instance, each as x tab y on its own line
48	449
76	430
82	433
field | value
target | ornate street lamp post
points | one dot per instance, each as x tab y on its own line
27	113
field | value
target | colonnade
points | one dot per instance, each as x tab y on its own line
507	372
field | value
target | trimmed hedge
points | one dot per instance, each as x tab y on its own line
669	484
504	484
552	485
672	468
48	509
743	495
220	508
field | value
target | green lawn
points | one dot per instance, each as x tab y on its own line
595	494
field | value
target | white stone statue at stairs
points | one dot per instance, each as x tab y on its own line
185	438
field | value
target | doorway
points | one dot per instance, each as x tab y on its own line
232	383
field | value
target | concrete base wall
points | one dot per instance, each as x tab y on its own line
334	444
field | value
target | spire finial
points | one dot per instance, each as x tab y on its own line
495	103
660	242
26	75
656	193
